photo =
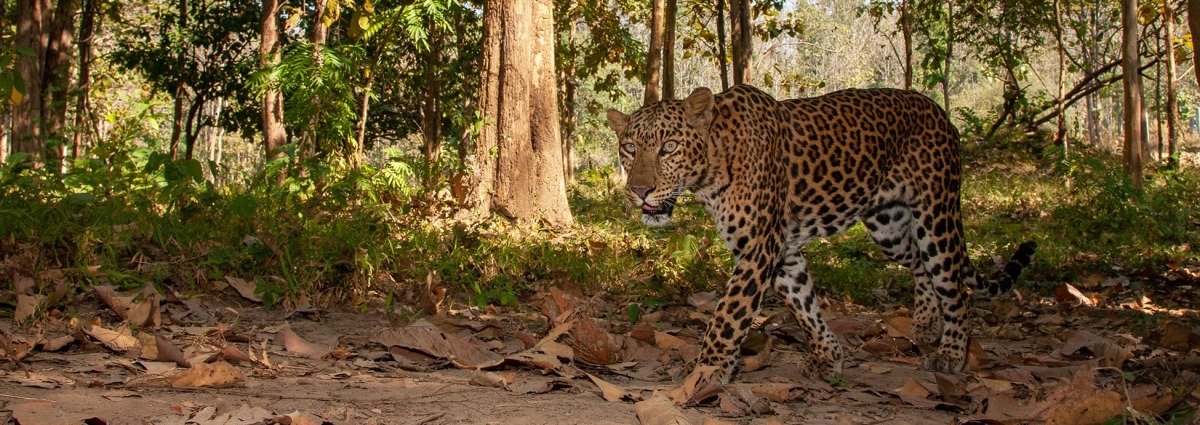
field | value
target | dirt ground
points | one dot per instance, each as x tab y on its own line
1097	349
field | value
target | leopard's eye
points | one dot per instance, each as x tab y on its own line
629	148
669	147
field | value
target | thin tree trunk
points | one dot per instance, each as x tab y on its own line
274	134
1172	90
431	110
1132	92
56	77
654	53
949	56
318	37
26	136
570	82
1060	136
722	41
668	77
1193	19
743	48
177	121
87	30
1090	57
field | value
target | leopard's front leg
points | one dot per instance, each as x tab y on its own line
736	311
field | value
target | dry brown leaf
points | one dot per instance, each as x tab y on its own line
295	344
168	352
666	341
1177	336
538	385
56	344
27	307
216	375
659	410
701	299
778	392
899	326
1003	407
557	349
1066	293
244	288
912	388
592	343
492	379
610	392
438	344
1087	344
643	332
43	413
745	396
120	340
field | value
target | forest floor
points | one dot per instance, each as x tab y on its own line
1099	348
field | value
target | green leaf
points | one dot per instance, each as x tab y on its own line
244	206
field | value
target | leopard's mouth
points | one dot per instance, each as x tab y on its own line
664	208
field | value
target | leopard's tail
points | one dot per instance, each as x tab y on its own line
1003	280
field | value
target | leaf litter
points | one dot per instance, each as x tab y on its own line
1085	354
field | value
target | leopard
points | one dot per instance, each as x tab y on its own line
775	175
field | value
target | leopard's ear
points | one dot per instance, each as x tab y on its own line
699	108
617	121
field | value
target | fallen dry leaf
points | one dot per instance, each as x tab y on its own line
27	306
217	375
244	288
1087	344
492	379
610	392
295	344
700	385
121	340
659	410
43	413
1066	293
592	343
438	344
899	326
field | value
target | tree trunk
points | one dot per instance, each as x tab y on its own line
743	49
654	52
177	121
274	135
26	136
668	77
318	36
1090	57
56	77
516	164
431	110
570	82
1133	91
1172	90
722	41
949	56
1060	136
906	32
87	29
1194	25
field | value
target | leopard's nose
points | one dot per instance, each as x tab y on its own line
641	191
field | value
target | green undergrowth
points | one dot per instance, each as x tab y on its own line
131	217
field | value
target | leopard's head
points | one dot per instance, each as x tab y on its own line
663	147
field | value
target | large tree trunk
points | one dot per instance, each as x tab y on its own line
87	29
743	49
722	41
654	54
1133	91
906	32
668	77
1172	90
516	164
27	136
274	135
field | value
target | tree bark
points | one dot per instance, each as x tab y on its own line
26	136
1194	25
1060	136
274	134
570	82
87	29
56	77
949	56
516	163
654	52
906	32
668	77
1172	90
1133	91
743	49
722	41
318	36
431	109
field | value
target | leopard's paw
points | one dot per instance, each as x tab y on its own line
702	384
819	367
946	361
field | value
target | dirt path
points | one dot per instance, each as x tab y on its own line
1048	360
